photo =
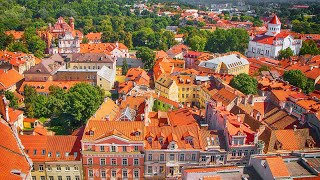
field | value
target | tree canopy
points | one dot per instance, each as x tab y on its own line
285	54
72	108
309	47
147	56
245	83
298	79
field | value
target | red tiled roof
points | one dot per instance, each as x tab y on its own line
94	36
275	20
12	157
277	167
16	34
8	78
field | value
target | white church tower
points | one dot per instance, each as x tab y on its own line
274	26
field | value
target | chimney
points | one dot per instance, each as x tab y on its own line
238	118
294	127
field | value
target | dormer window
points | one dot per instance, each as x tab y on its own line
137	133
161	140
149	139
91	133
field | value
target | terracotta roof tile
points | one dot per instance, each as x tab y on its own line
108	109
277	167
102	128
12	157
17	35
94	36
9	77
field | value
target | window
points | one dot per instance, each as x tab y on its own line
90	161
67	168
171	157
124	148
251	151
66	154
90	172
58	168
77	178
58	154
221	158
75	154
149	157
103	173
101	148
49	168
181	157
113	148
240	153
76	168
43	152
68	178
193	157
161	169
180	169
149	169
124	162
113	162
136	148
172	146
41	167
34	152
51	178
124	173
113	173
203	158
136	173
245	152
161	140
136	162
233	153
34	178
161	157
32	169
102	161
59	177
42	178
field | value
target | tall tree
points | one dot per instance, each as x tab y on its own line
309	47
245	83
12	98
197	43
297	78
125	67
285	54
147	56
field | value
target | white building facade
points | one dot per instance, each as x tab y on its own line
270	43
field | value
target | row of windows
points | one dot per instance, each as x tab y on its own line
113	173
58	178
181	157
112	148
89	67
58	168
240	153
50	154
113	161
154	170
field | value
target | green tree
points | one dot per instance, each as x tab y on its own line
309	47
17	47
5	40
298	79
125	67
56	100
264	68
285	54
147	56
12	98
30	95
197	43
34	43
245	83
85	40
201	24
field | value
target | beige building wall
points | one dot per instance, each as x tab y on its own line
104	84
36	172
91	65
68	169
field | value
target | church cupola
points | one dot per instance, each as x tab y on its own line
274	26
